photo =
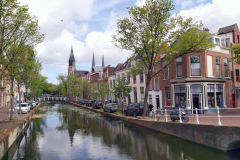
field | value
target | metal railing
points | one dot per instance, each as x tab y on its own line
197	114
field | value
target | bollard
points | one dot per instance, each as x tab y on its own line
180	121
219	122
166	115
197	121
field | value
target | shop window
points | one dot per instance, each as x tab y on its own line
150	85
219	94
218	67
217	41
195	65
167	96
210	94
156	84
225	67
196	88
237	75
166	70
150	98
179	66
180	96
141	78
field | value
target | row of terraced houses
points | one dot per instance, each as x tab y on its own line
196	80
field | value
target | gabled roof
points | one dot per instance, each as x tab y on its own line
227	29
126	65
80	73
113	72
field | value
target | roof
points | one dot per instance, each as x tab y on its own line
116	69
127	64
80	73
227	29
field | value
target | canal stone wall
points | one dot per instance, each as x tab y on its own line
225	138
9	136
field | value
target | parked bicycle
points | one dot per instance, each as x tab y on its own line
160	115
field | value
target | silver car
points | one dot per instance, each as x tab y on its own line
25	107
111	107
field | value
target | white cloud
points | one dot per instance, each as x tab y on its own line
185	3
201	1
216	14
140	2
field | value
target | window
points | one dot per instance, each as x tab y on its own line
166	67
156	84
236	57
167	96
180	96
123	75
210	94
110	83
211	40
179	66
237	93
195	65
237	75
141	78
226	66
113	83
134	79
142	94
222	42
227	41
217	41
128	78
209	66
218	67
155	68
219	94
150	85
150	98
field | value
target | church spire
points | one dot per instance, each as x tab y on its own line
71	51
93	61
102	60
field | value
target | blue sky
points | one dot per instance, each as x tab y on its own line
89	24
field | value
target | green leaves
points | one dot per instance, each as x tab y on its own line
236	53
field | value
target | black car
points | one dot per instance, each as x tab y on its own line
89	103
31	105
135	109
83	101
97	105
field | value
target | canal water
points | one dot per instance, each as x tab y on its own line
65	132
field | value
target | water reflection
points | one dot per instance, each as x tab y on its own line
67	132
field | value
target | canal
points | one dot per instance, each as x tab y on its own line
64	132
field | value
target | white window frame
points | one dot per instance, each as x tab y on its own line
190	65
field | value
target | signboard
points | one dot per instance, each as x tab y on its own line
219	88
196	88
210	88
180	89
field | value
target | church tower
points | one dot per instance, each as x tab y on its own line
71	63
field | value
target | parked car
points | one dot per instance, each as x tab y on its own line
97	104
111	107
135	109
89	103
83	101
24	107
79	100
31	105
34	103
75	100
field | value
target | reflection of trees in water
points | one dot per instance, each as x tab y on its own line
29	148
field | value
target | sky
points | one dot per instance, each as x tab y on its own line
88	25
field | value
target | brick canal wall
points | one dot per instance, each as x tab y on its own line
9	136
220	137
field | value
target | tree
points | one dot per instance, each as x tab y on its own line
154	35
73	82
121	89
63	82
103	90
236	50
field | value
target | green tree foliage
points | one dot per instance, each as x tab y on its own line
63	83
236	53
103	90
73	83
121	89
154	35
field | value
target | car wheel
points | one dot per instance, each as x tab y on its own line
173	119
134	114
109	111
125	113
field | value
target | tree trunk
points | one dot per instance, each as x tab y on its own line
11	100
145	108
19	101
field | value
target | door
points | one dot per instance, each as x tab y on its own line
233	100
196	103
157	101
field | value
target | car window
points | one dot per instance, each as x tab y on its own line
23	105
115	105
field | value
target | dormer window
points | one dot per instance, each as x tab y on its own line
217	41
211	39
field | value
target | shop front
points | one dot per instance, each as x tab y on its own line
205	96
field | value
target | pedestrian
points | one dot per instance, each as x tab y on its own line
110	101
150	107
